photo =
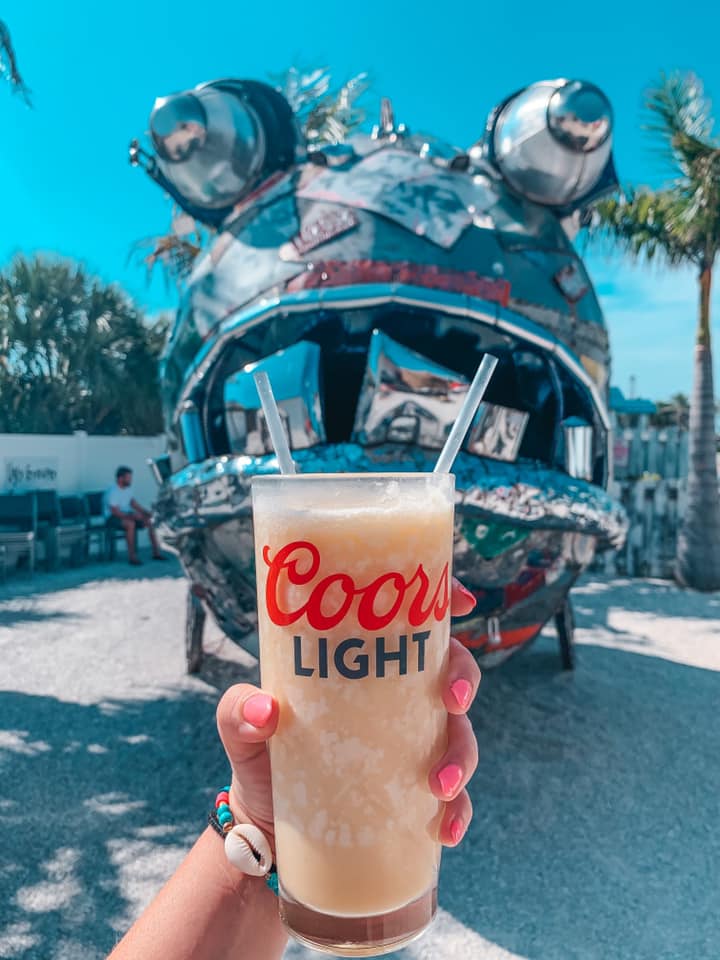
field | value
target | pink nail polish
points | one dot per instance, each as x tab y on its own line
468	594
257	709
462	691
457	829
450	778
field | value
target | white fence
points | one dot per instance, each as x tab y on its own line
651	467
655	508
76	463
651	450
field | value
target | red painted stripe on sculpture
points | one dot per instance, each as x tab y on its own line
508	638
341	273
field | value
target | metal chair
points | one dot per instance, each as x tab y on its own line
18	525
73	513
56	535
97	525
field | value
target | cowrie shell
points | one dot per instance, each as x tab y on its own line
247	849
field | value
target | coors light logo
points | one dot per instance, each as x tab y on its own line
329	601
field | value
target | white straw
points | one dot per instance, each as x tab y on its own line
464	418
272	418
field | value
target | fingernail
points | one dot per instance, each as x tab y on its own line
450	778
457	829
466	593
462	691
257	709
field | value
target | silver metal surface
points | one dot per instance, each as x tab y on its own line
210	144
530	495
294	375
497	432
580	116
191	432
402	186
523	533
405	397
160	468
546	150
178	126
578	448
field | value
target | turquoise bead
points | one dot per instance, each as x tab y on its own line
272	881
224	816
226	789
222	806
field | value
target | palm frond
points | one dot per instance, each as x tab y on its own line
647	225
302	89
682	221
680	117
176	255
326	115
8	65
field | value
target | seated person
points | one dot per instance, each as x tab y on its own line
123	511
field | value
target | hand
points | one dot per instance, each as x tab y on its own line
247	717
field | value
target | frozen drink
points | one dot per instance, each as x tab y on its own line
353	576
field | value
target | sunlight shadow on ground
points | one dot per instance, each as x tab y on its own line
117	833
651	617
69	578
19	614
595	829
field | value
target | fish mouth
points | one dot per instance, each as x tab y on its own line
371	378
339	356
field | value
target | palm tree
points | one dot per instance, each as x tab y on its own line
679	225
674	412
76	354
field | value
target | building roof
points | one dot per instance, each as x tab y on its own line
619	403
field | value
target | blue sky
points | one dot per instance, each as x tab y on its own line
95	70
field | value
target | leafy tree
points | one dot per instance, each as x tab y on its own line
75	354
674	412
679	225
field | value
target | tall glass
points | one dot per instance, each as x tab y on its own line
353	575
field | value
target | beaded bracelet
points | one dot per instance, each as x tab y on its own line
246	846
223	811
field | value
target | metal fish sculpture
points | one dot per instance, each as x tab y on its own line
368	277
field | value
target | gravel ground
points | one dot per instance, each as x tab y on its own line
596	802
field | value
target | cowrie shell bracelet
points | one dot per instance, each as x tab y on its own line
246	846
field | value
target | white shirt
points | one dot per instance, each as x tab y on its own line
119	497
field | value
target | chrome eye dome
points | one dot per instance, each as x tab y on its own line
552	142
210	146
178	126
580	117
214	144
